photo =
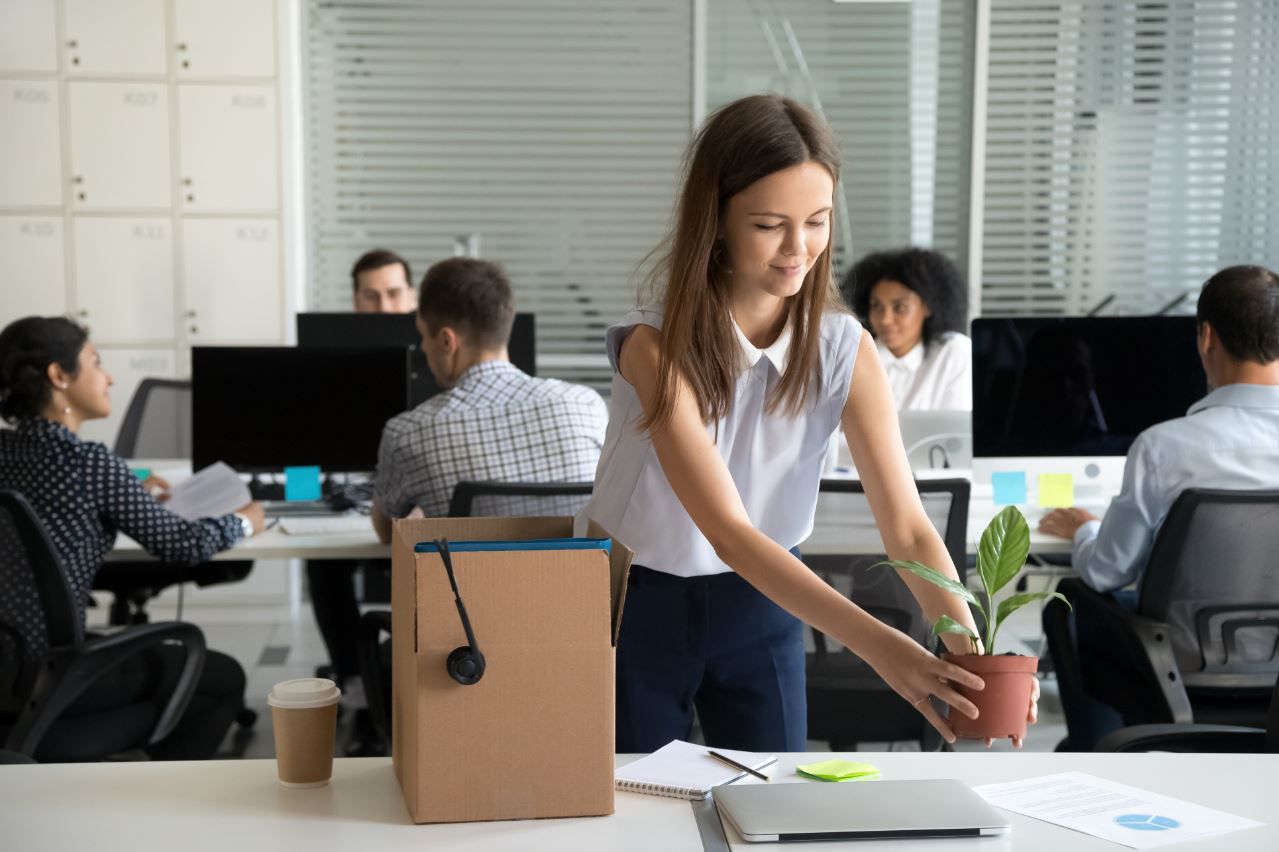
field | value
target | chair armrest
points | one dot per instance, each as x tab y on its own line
1185	738
1144	641
66	673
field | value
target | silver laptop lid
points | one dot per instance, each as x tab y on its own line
857	810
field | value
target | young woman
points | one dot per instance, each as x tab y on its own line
724	398
914	303
51	381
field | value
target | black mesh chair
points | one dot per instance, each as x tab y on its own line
469	500
1203	645
1214	739
848	703
157	425
46	662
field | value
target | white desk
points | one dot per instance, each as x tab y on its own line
222	805
276	544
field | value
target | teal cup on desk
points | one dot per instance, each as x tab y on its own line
304	713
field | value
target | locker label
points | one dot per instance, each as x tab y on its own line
252	234
248	101
35	229
148	232
31	96
142	99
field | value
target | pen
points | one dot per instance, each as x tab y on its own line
733	763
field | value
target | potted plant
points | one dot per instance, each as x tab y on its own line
1001	554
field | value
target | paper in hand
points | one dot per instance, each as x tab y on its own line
216	490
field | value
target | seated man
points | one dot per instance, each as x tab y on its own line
494	422
1229	439
381	284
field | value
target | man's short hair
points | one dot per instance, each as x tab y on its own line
1241	303
471	296
376	259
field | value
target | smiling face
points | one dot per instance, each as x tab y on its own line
776	228
897	315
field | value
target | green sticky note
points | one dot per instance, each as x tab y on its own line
1056	490
141	472
838	769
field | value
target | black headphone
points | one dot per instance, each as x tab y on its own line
465	664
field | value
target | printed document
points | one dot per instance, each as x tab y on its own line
1111	811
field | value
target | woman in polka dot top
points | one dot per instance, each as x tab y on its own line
51	381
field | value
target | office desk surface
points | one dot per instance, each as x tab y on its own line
277	544
227	805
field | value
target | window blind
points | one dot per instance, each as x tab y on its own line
1131	151
552	130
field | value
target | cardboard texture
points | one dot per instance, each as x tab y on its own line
534	738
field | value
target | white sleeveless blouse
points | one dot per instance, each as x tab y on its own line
775	459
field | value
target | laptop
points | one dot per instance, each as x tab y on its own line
864	810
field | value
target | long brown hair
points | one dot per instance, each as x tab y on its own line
739	144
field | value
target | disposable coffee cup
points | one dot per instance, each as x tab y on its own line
304	713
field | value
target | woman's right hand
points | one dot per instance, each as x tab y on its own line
915	674
255	513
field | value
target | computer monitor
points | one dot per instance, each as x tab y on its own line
1076	391
261	409
316	330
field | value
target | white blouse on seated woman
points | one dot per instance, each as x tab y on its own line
932	377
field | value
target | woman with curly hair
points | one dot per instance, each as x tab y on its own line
914	303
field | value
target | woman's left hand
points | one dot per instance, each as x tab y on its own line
1032	715
157	486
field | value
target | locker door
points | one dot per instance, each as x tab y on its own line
30	144
231	272
128	367
124	279
28	36
114	37
120	145
34	271
228	148
224	38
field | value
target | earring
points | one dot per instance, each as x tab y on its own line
64	386
66	410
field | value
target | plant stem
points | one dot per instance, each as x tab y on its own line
991	626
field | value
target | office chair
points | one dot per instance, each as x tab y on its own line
157	425
1203	645
40	678
518	499
1231	739
848	703
527	499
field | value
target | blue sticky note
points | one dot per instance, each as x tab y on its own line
1010	487
301	483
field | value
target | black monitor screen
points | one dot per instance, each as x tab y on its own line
267	408
353	329
1079	386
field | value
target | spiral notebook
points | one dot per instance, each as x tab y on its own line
685	771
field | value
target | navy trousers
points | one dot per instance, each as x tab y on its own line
714	643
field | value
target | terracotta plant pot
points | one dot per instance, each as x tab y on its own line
1005	701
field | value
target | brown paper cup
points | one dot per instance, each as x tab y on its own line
304	713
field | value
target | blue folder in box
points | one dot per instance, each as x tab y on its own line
528	544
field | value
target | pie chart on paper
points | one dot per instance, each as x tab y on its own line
1147	822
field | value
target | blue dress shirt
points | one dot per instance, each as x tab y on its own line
1229	440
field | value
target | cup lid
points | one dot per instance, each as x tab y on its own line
303	693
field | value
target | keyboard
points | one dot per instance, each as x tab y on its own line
329	525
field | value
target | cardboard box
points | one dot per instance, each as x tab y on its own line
534	737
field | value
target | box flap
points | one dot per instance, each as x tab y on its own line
619	566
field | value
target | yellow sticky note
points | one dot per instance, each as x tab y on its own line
1056	490
839	770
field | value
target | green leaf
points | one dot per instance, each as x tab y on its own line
946	624
1003	549
1015	602
933	576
